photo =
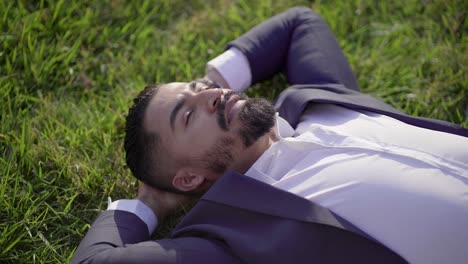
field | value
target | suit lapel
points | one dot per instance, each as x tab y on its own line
240	191
258	223
292	102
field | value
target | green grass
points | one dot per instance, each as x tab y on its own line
69	69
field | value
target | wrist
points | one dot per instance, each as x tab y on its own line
231	69
139	208
213	75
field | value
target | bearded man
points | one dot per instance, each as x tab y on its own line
335	177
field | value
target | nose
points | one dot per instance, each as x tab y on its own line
209	99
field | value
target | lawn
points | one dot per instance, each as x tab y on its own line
69	69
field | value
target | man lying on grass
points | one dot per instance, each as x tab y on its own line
325	175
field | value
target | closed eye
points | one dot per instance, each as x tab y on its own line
188	114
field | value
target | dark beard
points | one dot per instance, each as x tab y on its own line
217	158
257	117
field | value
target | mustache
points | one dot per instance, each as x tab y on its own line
221	118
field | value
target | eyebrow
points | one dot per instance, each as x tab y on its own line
179	104
176	110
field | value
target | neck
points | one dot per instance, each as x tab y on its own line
252	153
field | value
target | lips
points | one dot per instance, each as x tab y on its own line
233	106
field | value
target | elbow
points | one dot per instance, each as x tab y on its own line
303	13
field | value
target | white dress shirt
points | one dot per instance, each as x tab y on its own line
410	196
405	186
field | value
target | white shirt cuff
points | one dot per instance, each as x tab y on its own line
137	207
234	67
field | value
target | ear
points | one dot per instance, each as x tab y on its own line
187	180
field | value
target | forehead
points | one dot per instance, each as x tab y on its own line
157	113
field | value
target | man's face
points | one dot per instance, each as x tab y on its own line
207	129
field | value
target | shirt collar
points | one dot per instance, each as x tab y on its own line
283	128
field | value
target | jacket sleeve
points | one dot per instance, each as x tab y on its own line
300	42
121	237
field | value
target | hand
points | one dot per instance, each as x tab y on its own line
213	75
163	203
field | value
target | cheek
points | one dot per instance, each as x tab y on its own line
205	126
201	135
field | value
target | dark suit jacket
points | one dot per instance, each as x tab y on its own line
241	220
